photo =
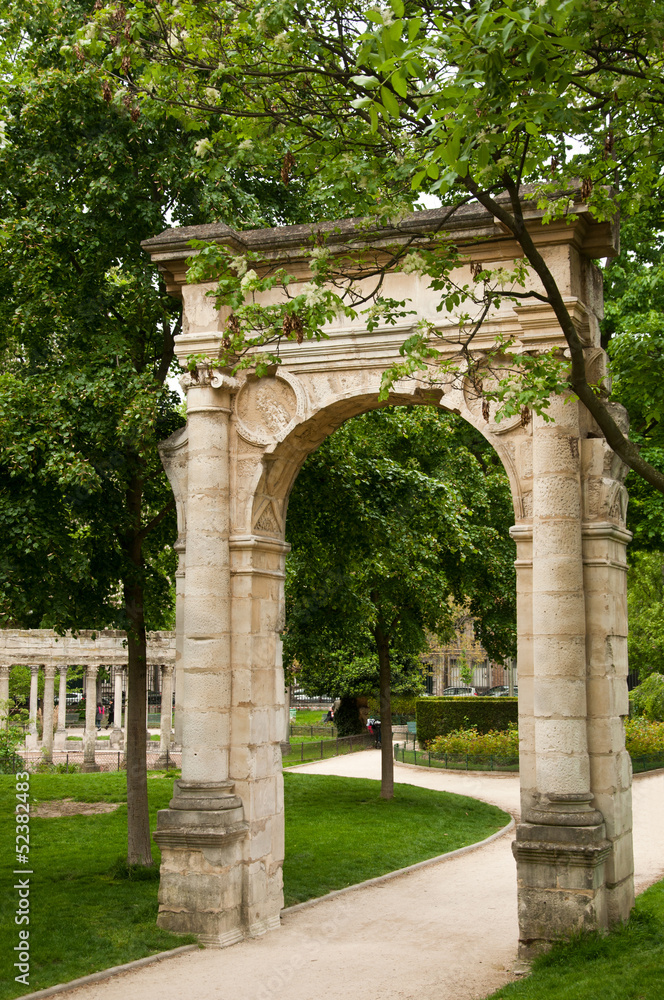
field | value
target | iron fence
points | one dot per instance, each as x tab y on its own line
323	749
494	762
455	761
71	761
321	730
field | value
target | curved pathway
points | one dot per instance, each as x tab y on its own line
447	931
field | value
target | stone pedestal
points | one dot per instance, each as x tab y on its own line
201	887
561	853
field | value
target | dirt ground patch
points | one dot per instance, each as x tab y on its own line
57	808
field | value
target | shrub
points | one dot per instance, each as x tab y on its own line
648	698
402	704
643	737
11	738
497	742
347	717
439	716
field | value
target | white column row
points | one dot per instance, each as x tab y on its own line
53	737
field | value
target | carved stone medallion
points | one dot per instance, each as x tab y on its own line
268	408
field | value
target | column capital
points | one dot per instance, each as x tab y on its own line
167	668
50	669
91	669
63	668
34	668
4	669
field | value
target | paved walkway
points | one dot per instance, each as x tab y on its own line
447	932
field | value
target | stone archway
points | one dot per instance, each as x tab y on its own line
232	468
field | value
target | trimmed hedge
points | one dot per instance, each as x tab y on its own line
439	716
401	704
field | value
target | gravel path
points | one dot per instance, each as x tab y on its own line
448	931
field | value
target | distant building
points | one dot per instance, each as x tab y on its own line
446	662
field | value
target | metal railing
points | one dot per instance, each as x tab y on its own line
494	762
322	749
71	761
320	730
455	761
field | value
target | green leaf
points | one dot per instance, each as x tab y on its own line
399	84
414	25
368	82
390	102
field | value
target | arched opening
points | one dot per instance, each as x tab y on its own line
399	526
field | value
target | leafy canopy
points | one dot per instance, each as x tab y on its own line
503	102
397	515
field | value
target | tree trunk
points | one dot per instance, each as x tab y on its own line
386	750
139	847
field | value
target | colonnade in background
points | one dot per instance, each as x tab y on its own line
54	729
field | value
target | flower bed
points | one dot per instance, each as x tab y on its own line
497	742
499	749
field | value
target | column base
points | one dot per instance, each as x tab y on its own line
164	760
560	853
116	739
201	838
60	739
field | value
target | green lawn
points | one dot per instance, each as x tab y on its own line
627	964
84	917
309	717
363	836
81	917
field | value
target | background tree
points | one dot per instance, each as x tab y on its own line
633	332
389	520
86	338
466	101
645	602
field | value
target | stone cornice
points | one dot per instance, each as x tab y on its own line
103	647
471	226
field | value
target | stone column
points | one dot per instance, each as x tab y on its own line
117	736
49	700
561	843
605	577
258	574
90	735
178	677
166	721
523	536
4	694
31	739
61	732
202	831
